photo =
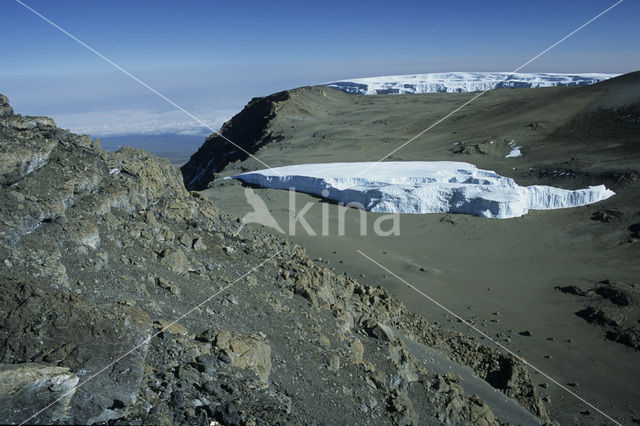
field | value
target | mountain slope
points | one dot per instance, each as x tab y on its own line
102	252
246	129
501	274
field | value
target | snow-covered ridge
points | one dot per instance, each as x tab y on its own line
462	82
422	187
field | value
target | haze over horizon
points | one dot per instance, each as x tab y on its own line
212	59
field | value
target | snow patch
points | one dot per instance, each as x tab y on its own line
515	151
462	82
422	187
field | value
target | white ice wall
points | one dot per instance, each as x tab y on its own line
462	82
422	187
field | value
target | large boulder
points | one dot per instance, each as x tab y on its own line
30	388
69	334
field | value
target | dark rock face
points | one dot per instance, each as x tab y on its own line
103	252
5	108
612	306
257	125
50	327
28	388
607	215
246	129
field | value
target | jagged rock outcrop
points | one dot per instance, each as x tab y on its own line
103	252
54	327
244	130
5	108
251	129
28	388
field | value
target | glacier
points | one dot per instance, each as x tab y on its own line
462	82
422	187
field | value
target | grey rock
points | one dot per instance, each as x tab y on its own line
27	388
53	319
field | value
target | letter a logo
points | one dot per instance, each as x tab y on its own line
260	213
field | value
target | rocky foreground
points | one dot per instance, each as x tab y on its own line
101	252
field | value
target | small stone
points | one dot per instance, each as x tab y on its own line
377	330
228	414
198	244
175	260
207	363
213	389
209	335
173	288
228	388
177	399
453	377
224	357
171	327
357	349
480	413
334	363
187	373
325	340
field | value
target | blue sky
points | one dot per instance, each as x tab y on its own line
211	57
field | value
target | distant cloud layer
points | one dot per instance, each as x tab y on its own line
141	122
